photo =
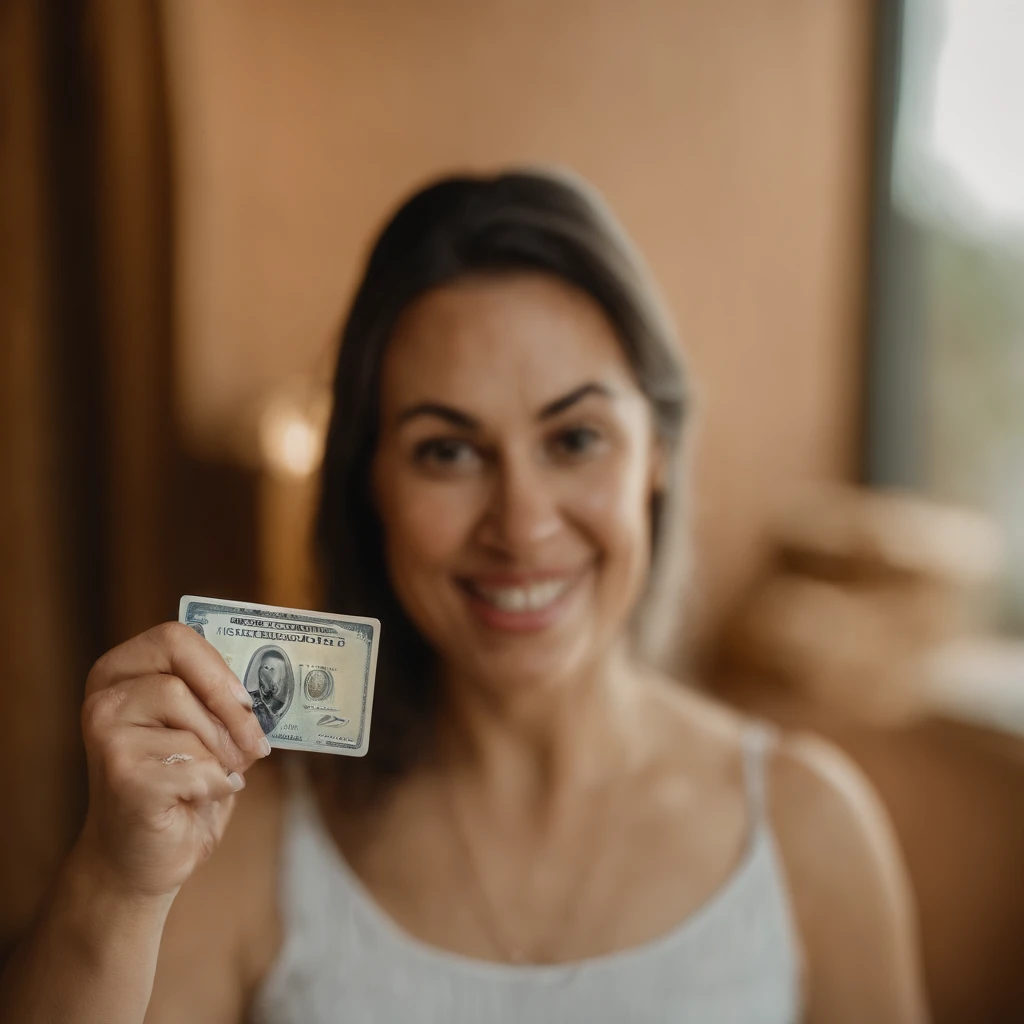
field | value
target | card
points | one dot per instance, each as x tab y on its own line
310	674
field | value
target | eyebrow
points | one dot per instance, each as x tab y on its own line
462	419
442	412
570	399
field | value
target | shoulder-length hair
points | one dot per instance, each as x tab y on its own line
520	221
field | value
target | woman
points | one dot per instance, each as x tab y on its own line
546	828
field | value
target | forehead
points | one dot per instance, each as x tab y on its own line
489	341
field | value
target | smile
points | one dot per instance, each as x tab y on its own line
521	603
532	597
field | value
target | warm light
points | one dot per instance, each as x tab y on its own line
290	441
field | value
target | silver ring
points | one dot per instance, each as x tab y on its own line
176	758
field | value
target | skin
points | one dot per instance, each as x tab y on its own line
514	448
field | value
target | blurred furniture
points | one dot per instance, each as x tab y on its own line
865	593
869	630
955	794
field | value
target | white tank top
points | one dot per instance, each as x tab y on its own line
345	961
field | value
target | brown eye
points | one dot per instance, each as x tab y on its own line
576	442
445	454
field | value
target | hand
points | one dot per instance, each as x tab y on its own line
169	731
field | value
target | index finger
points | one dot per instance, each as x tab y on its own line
174	649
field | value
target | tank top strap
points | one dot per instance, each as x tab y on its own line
758	740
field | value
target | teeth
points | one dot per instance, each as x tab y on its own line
521	599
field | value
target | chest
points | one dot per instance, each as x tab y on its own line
496	889
382	954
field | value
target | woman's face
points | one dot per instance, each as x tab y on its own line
513	478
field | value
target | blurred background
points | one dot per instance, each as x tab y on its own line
831	196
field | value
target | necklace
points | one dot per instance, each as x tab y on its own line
487	911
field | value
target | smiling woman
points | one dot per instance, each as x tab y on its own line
473	285
546	828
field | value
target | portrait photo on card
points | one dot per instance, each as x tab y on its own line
270	680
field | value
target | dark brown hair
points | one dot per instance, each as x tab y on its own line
462	225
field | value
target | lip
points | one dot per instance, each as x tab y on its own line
520	579
527	620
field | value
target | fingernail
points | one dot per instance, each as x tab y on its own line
264	745
244	697
236	782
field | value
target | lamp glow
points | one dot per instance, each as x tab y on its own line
290	441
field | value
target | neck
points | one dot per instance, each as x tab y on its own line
533	747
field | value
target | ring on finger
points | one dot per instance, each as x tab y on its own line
176	758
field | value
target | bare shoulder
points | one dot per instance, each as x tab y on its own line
831	825
223	931
850	894
819	796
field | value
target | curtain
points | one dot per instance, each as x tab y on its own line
85	393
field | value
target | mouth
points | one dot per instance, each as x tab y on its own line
523	603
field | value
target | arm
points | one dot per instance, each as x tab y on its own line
850	893
223	932
91	956
168	733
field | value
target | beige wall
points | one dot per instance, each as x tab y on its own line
729	135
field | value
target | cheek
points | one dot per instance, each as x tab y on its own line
613	508
425	524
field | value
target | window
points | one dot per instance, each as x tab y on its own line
946	380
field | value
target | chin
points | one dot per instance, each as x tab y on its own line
531	666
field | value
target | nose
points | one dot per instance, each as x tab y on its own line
524	510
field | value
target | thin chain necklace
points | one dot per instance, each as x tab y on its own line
487	911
